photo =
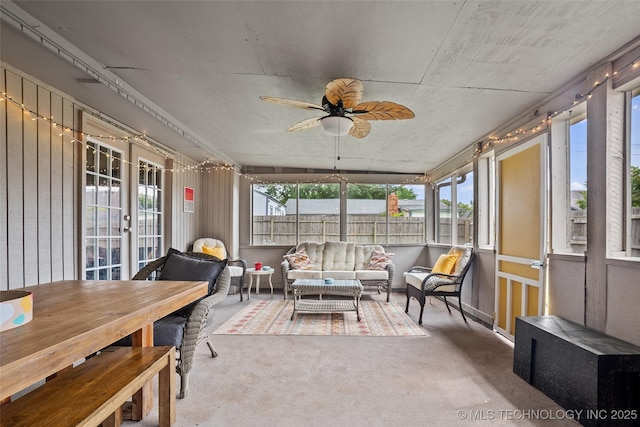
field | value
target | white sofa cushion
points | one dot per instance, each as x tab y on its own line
415	280
372	274
339	256
235	270
210	243
463	253
339	274
304	274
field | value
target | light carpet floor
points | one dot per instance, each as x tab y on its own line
269	317
460	375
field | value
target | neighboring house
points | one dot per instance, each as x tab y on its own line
264	204
411	208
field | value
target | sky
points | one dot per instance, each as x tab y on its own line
578	138
578	155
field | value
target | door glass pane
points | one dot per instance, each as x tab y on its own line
116	164
103	212
149	212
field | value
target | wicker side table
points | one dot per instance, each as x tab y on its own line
349	288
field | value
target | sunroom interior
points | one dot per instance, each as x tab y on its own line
522	109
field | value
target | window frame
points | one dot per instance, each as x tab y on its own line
486	200
455	181
343	214
560	185
627	211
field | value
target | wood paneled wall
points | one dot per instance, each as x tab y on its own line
220	216
39	184
182	227
41	171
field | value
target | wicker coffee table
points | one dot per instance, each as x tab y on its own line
303	287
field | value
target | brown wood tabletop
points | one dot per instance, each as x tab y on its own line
76	318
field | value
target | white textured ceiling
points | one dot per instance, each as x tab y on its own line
463	67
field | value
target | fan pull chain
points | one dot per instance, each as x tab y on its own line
336	151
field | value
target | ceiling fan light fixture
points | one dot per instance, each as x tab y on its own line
337	125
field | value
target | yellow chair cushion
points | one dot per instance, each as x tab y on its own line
216	252
445	264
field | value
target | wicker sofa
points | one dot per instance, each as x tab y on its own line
339	260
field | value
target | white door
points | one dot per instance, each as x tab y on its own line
123	203
521	235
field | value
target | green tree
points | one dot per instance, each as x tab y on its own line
319	191
281	192
635	186
635	190
463	208
284	192
582	203
378	192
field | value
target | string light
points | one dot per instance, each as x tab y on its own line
208	166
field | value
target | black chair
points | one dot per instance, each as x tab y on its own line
186	328
237	267
422	282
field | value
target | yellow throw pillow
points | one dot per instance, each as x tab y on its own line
445	264
216	252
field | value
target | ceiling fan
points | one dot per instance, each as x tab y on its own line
346	114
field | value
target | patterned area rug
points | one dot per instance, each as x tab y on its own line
377	319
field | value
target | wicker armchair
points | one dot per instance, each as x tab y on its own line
422	281
237	267
194	333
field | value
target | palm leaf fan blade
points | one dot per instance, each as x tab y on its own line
360	128
347	90
291	103
305	124
382	110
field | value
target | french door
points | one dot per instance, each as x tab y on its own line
123	204
521	235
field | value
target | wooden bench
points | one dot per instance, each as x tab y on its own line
93	392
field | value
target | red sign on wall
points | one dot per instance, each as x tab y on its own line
188	199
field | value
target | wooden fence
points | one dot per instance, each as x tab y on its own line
367	229
578	231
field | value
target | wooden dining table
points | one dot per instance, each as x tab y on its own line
73	319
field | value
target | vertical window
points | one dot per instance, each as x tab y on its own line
103	211
455	209
367	211
275	211
384	214
568	201
464	197
407	220
443	225
149	212
286	214
633	233
486	200
577	209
